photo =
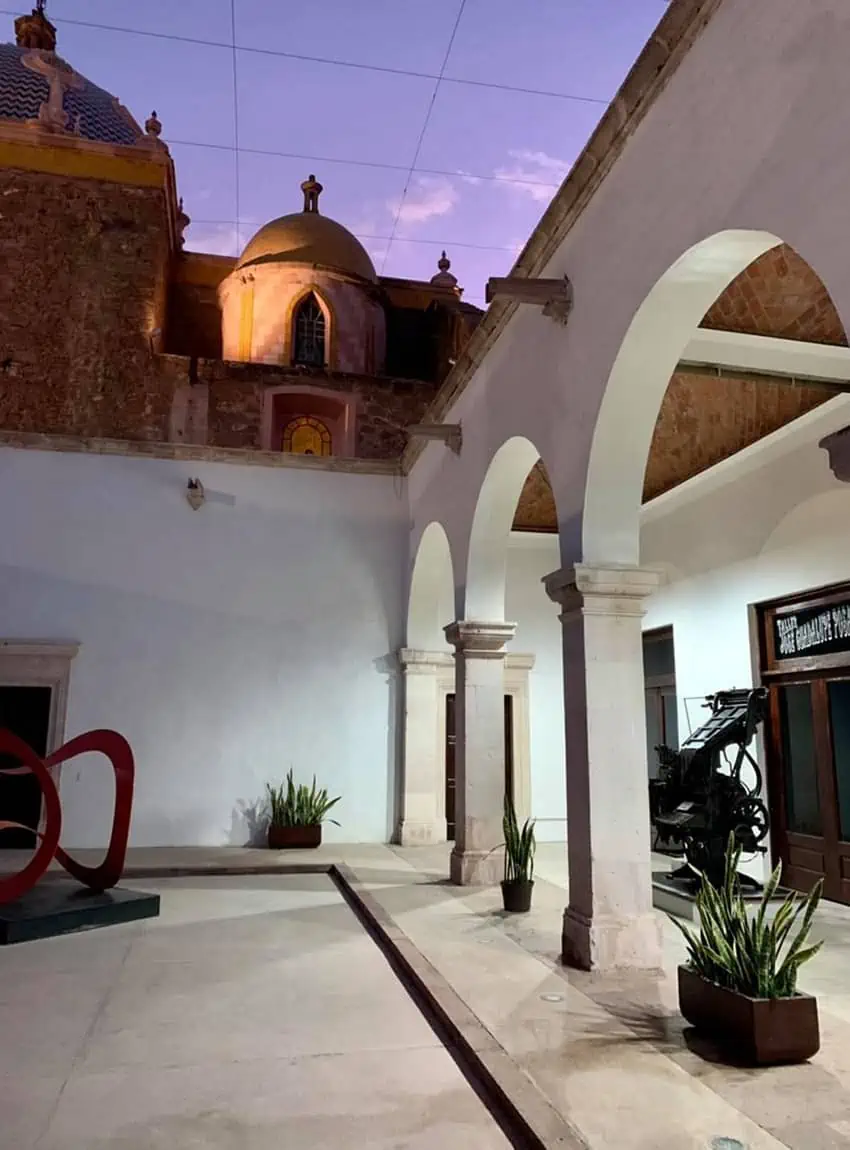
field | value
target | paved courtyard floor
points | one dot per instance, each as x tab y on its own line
255	1013
610	1054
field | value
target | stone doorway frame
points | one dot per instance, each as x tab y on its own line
517	669
441	666
41	664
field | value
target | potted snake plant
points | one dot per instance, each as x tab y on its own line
296	814
518	882
740	982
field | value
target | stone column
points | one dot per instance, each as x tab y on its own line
479	749
610	922
423	815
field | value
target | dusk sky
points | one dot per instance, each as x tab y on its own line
358	128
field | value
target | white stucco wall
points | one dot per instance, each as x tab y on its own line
227	644
530	558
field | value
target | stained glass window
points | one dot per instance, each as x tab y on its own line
309	334
307	436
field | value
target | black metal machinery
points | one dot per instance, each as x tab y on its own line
700	798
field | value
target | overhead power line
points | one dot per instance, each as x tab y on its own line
326	60
489	177
235	63
421	138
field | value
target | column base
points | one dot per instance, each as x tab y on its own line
413	833
612	943
476	868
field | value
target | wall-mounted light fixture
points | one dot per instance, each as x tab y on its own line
195	496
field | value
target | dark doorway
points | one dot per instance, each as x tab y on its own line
509	746
26	712
659	679
451	740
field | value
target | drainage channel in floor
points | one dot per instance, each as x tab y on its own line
495	1098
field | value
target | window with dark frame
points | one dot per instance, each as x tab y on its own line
310	332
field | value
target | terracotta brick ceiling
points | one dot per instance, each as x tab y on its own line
703	421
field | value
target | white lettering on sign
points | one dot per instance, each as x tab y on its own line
795	637
786	629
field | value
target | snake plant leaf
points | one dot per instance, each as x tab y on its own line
520	845
297	805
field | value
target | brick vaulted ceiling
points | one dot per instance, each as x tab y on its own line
702	420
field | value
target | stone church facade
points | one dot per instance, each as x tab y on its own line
115	331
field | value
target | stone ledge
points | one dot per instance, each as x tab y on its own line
34	441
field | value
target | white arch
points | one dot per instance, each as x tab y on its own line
486	569
653	346
430	604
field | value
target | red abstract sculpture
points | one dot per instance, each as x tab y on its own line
99	878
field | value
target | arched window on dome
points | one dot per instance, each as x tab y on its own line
306	435
309	334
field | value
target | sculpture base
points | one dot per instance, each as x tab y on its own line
58	906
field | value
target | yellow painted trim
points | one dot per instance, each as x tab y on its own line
246	322
330	325
84	164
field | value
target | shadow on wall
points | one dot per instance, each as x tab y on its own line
249	824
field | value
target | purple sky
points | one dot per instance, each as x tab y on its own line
325	116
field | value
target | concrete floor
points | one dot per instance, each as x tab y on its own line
255	1013
609	1054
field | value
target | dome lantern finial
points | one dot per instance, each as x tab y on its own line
312	189
444	277
153	126
35	30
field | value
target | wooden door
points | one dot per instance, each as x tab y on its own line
451	742
836	705
801	830
805	660
810	745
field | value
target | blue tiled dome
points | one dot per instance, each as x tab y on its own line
93	114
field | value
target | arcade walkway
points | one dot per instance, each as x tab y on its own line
590	1061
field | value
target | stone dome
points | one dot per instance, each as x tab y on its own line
307	237
37	85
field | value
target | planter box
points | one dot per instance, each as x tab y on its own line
761	1031
516	896
294	838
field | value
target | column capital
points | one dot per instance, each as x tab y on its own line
415	662
602	589
480	640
